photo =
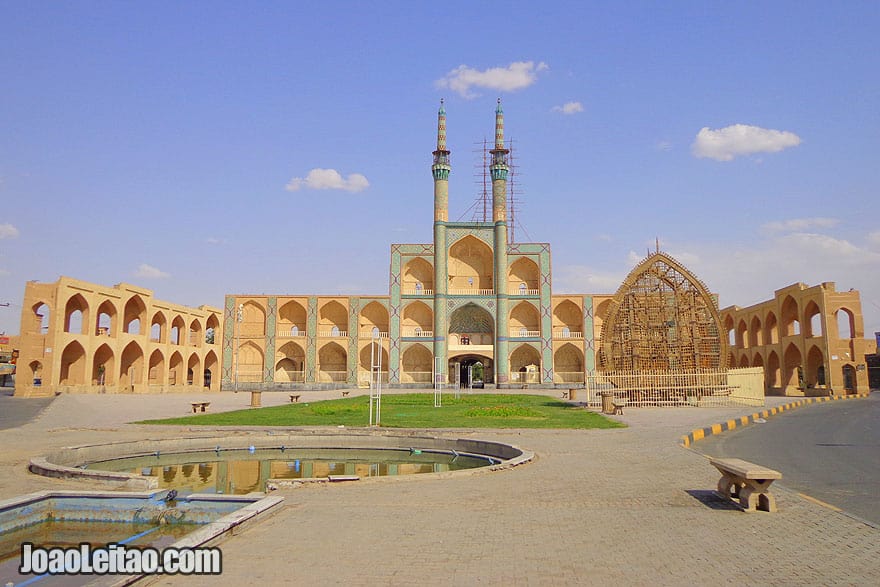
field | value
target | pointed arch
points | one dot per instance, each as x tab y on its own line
568	315
76	315
744	361
373	316
773	372
418	319
568	364
845	322
175	369
792	367
418	276
332	317
195	332
471	265
157	368
253	320
177	328
194	370
756	333
758	360
104	366
417	364
134	315
815	373
730	331
211	370
292	318
525	364
366	356
73	365
524	320
523	276
41	318
789	313
599	316
771	329
250	367
131	366
105	324
159	328
291	363
474	322
662	317
332	363
812	320
212	329
742	334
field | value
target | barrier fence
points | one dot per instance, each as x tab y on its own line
698	388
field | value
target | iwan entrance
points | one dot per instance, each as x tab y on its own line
471	371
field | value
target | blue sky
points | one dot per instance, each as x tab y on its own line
160	143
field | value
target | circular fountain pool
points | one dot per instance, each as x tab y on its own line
246	461
241	471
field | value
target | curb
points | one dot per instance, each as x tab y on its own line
701	433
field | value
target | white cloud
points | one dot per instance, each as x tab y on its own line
328	179
741	139
874	238
516	76
583	279
800	224
149	272
8	231
4	273
569	108
213	240
663	146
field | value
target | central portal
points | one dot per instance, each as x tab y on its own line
471	371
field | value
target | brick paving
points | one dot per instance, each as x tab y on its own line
595	507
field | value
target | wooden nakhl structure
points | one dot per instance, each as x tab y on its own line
661	319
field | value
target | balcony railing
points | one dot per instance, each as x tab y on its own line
417	332
289	332
332	333
416	377
568	377
515	291
367	334
290	377
559	333
521	333
472	292
528	377
332	376
414	291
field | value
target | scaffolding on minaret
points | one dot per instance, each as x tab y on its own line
481	208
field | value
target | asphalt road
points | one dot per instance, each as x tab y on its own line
15	411
829	451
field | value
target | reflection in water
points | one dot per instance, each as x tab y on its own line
242	471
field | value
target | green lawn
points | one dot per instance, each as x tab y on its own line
414	410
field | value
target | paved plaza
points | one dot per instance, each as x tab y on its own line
627	506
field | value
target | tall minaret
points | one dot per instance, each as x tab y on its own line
498	170
440	170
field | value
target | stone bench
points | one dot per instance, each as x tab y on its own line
748	482
618	404
294	398
200	406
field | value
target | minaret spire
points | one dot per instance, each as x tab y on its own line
440	169
499	169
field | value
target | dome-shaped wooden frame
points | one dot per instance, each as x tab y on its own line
662	318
